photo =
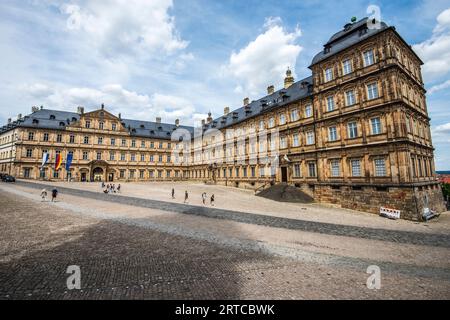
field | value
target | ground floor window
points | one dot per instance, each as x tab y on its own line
335	168
297	171
141	174
27	172
122	174
380	168
312	169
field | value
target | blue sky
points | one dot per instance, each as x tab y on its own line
184	58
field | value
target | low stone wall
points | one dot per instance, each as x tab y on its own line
411	201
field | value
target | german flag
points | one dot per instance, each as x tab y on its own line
58	162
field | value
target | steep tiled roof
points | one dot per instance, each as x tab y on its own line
297	91
351	35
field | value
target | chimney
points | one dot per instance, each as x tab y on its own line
203	122
19	116
226	111
246	102
80	110
158	119
120	116
270	90
177	122
34	109
289	80
9	120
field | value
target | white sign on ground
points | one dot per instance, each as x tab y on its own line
390	213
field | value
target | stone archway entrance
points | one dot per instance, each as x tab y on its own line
98	174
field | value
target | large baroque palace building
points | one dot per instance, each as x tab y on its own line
355	133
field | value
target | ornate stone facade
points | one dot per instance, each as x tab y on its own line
356	133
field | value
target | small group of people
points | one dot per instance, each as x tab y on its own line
110	188
204	197
44	195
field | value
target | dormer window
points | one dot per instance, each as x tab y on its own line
52	117
363	31
74	119
35	121
327	49
62	124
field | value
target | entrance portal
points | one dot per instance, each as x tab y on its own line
284	175
97	174
111	177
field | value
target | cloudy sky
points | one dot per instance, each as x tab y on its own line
183	58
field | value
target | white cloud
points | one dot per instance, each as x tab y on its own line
264	61
116	99
435	52
442	130
125	27
439	87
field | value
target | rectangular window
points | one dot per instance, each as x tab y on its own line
347	67
72	139
296	140
261	125
297	171
352	130
330	104
85	155
133	143
112	156
380	168
100	140
328	74
101	125
332	134
141	174
376	125
88	124
283	142
262	171
237	172
113	141
335	168
160	159
160	145
372	91
29	153
142	144
310	137
308	111
114	127
312	169
282	119
356	168
368	58
142	157
271	122
244	172
31	136
122	157
59	138
253	172
45	137
99	156
122	174
132	174
350	98
152	158
294	115
86	140
133	157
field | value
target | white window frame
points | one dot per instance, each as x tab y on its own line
380	167
350	98
372	91
347	67
332	134
335	167
369	58
376	126
352	130
355	166
330	104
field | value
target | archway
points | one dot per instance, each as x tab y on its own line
98	174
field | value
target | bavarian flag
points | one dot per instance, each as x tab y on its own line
58	162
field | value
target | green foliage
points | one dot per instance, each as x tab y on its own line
446	190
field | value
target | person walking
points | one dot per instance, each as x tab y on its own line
204	198
186	197
44	195
118	188
54	194
212	200
173	193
